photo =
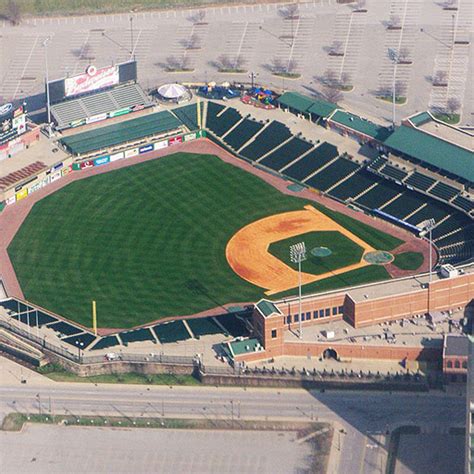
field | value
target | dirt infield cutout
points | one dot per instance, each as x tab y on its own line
248	255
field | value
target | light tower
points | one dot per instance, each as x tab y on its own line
298	255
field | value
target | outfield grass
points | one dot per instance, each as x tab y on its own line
408	260
148	241
344	251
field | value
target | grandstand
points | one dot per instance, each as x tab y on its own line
240	135
336	172
112	103
130	131
286	154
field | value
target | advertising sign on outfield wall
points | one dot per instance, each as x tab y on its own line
77	123
117	113
175	140
96	118
146	148
66	170
132	152
22	194
55	176
102	160
117	156
87	164
190	136
76	166
10	200
161	145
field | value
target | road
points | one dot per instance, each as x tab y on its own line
364	416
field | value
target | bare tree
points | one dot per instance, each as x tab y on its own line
360	5
345	80
178	63
290	11
453	105
85	52
228	63
400	89
404	55
198	17
440	78
336	48
332	94
13	12
329	78
394	23
193	42
279	66
450	4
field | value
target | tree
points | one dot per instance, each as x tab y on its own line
453	105
400	89
345	80
360	4
404	55
332	94
336	48
290	11
279	66
85	53
13	12
394	22
177	63
440	78
198	17
193	42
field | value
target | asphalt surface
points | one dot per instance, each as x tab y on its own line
433	39
364	417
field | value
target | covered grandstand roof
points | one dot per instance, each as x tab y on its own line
128	131
433	151
115	100
360	125
305	104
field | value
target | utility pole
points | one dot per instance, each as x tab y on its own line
45	45
393	55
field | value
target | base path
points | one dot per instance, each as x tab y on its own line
248	255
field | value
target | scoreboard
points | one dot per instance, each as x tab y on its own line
12	122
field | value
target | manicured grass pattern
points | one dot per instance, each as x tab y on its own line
148	241
408	260
344	251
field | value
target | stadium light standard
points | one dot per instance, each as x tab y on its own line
393	55
45	45
298	255
80	345
429	226
131	36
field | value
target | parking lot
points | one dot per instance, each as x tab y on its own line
47	449
261	35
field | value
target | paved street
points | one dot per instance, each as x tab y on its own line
363	416
432	39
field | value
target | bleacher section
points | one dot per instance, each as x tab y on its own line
275	134
314	160
433	210
31	317
379	195
378	163
351	188
65	329
420	181
219	125
463	203
171	332
137	335
454	222
443	191
203	327
128	131
405	204
394	173
106	342
286	153
243	133
118	98
234	325
81	340
332	174
188	115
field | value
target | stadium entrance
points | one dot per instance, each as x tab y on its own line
330	354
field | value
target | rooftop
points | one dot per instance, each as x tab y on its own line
433	151
244	347
456	346
303	103
360	125
267	308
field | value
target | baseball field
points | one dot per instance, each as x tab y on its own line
149	241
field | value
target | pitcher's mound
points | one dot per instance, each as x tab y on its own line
320	252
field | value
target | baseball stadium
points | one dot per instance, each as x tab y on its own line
155	221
